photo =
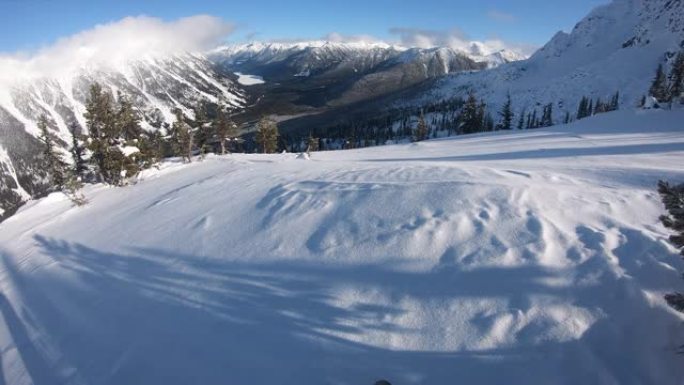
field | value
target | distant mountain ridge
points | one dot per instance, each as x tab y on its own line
333	74
311	56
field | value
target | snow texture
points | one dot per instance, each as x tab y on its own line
528	257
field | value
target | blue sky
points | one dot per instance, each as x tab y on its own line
31	24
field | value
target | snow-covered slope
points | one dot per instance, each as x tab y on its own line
156	85
518	258
617	47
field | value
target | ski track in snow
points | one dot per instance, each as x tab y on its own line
523	258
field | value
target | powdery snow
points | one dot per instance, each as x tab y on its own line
521	257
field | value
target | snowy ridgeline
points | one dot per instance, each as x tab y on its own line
517	258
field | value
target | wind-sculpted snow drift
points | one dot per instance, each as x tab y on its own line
518	258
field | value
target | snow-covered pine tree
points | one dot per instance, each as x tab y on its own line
128	134
108	125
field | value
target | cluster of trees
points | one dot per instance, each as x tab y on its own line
534	120
673	199
203	133
116	148
667	88
61	176
589	107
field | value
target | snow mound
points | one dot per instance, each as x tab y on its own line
513	257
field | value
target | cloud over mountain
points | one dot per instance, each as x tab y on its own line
117	42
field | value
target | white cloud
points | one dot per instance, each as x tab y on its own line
117	42
340	38
456	39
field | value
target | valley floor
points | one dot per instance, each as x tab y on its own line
520	257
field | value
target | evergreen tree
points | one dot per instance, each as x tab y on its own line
128	133
567	118
677	78
673	199
224	128
521	120
488	123
127	119
659	86
590	108
600	107
77	152
60	176
109	127
615	102
312	144
200	128
55	165
99	119
470	118
547	116
582	109
506	114
534	122
182	137
421	132
151	145
267	135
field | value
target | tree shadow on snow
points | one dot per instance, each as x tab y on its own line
156	317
